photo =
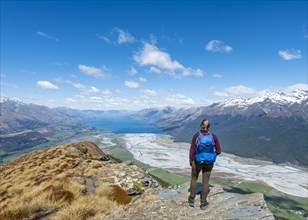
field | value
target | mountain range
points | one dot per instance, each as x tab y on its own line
273	126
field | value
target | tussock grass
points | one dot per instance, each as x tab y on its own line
85	207
104	191
114	193
44	181
120	196
18	212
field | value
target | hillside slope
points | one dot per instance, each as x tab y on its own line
71	182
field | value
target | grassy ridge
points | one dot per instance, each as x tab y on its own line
53	183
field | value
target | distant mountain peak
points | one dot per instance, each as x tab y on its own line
280	98
6	99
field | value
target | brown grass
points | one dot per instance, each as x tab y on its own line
84	208
114	193
120	196
44	181
59	193
19	212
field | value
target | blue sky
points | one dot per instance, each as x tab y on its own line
141	54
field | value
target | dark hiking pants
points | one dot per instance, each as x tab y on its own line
206	172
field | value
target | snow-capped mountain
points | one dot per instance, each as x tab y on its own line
271	104
279	98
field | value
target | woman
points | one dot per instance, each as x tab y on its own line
206	167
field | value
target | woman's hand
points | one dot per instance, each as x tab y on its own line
193	165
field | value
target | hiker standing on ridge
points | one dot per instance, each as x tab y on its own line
203	151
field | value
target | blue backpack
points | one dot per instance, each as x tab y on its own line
204	150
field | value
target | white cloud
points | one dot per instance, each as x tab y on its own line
47	85
179	100
105	39
78	86
117	36
95	99
217	76
149	92
233	91
239	90
124	36
191	72
131	84
141	79
298	86
132	71
117	101
290	54
160	99
116	91
154	69
106	92
90	70
86	89
70	100
60	80
99	101
93	89
218	46
158	59
40	33
93	71
151	55
153	39
220	94
83	89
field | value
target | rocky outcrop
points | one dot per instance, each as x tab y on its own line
172	204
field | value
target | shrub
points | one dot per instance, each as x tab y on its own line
137	185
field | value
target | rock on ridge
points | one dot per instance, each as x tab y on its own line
172	204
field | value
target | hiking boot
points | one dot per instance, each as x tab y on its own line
191	201
203	205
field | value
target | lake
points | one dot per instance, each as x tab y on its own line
122	124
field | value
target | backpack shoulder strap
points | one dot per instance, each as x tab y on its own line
199	133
